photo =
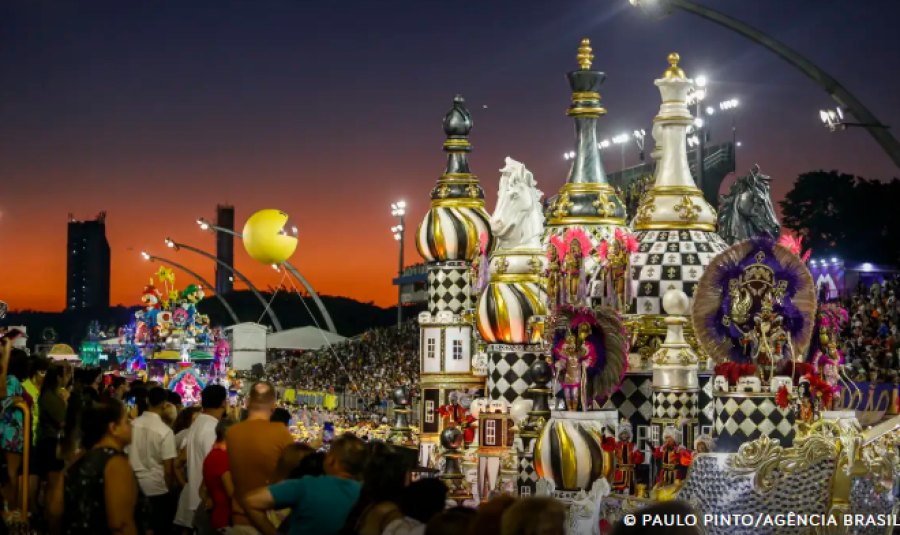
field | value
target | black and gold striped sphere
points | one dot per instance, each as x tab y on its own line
503	309
452	233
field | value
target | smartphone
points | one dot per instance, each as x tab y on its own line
328	432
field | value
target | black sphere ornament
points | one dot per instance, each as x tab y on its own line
451	438
401	395
541	372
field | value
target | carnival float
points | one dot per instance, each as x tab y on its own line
613	360
172	342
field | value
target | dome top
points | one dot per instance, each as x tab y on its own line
674	71
458	121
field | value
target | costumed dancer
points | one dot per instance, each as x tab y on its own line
627	457
672	459
553	273
571	360
578	246
703	444
614	260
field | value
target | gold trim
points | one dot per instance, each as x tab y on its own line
462	181
457	143
457	203
675	389
512	278
720	394
440	250
429	438
448	377
585	96
587	221
504	329
675	225
472	241
586	111
587	187
568	461
519	252
660	118
690	191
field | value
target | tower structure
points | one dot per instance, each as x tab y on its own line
449	239
676	232
224	248
88	266
587	199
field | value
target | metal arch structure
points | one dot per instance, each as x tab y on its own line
275	323
322	310
844	98
203	281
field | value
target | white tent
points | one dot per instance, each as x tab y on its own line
305	338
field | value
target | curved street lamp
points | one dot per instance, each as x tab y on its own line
275	323
203	281
206	225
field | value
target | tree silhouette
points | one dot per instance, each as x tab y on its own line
843	215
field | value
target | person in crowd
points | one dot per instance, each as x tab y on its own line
152	455
174	406
488	520
102	496
421	501
312	465
452	522
379	498
53	408
32	386
254	447
182	425
281	415
290	461
319	504
677	509
218	489
199	442
116	389
534	516
12	425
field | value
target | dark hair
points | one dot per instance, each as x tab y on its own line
281	415
90	395
451	522
174	398
95	420
291	457
222	428
489	519
214	396
184	419
18	365
38	364
424	499
157	396
52	379
383	481
312	465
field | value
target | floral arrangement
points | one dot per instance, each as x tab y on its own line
733	371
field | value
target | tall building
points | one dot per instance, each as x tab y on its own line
224	248
88	273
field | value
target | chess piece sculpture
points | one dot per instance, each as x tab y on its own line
747	210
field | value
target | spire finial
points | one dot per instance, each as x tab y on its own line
674	71
584	55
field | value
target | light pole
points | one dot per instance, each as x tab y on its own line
696	97
620	140
731	106
206	225
877	129
639	136
177	246
203	281
398	209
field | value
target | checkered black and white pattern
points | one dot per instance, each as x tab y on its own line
741	418
448	288
527	474
669	260
669	405
707	409
509	375
633	399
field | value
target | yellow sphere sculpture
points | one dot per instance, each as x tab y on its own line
265	238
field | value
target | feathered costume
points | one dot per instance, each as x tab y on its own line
614	261
795	245
556	288
576	275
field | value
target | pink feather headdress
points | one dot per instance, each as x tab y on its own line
483	241
603	250
795	245
560	245
578	233
628	241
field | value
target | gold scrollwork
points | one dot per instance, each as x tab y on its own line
501	266
764	456
562	205
472	190
687	210
443	191
646	209
605	206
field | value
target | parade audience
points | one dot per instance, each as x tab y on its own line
382	487
218	487
534	516
152	455
102	496
453	522
13	424
254	448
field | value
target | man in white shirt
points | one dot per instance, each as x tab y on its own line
199	442
152	454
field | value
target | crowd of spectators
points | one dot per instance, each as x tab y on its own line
871	339
371	365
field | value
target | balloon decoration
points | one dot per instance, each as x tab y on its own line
266	238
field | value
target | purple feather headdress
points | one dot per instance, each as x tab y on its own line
712	309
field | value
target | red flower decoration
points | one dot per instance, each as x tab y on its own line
783	397
604	525
820	388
